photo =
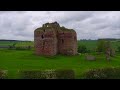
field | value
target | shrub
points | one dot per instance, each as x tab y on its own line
105	73
65	74
37	74
23	48
101	46
3	74
119	49
48	74
11	47
82	49
112	52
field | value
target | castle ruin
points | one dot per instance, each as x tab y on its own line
51	39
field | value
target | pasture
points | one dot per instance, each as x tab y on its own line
16	60
13	61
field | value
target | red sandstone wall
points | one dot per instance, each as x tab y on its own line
52	40
67	43
45	42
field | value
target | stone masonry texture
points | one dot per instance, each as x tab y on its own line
51	39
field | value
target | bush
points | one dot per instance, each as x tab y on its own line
11	47
106	73
48	74
23	48
101	46
3	74
65	74
119	49
38	74
82	49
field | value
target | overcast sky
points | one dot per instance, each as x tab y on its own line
88	24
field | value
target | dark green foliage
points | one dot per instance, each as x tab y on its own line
10	47
20	48
119	49
14	45
37	74
107	44
65	74
48	74
105	73
23	48
112	54
3	74
82	49
101	46
29	47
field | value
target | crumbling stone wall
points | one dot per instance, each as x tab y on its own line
51	39
67	42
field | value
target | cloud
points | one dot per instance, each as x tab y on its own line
88	24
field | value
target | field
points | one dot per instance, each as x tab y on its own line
17	43
16	60
91	44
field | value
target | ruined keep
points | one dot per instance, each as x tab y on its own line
51	39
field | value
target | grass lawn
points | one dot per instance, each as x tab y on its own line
14	60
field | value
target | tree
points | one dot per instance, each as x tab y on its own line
101	46
107	44
105	47
13	45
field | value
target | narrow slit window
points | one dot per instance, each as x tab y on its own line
62	41
44	30
42	36
74	38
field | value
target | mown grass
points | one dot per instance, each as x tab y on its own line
15	60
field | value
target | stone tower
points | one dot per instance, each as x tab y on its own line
51	39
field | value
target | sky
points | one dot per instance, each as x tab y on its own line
20	25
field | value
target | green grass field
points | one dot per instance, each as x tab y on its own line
92	44
17	44
16	60
6	43
13	61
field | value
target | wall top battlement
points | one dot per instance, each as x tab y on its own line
53	25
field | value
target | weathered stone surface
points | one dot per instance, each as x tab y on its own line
51	39
90	57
